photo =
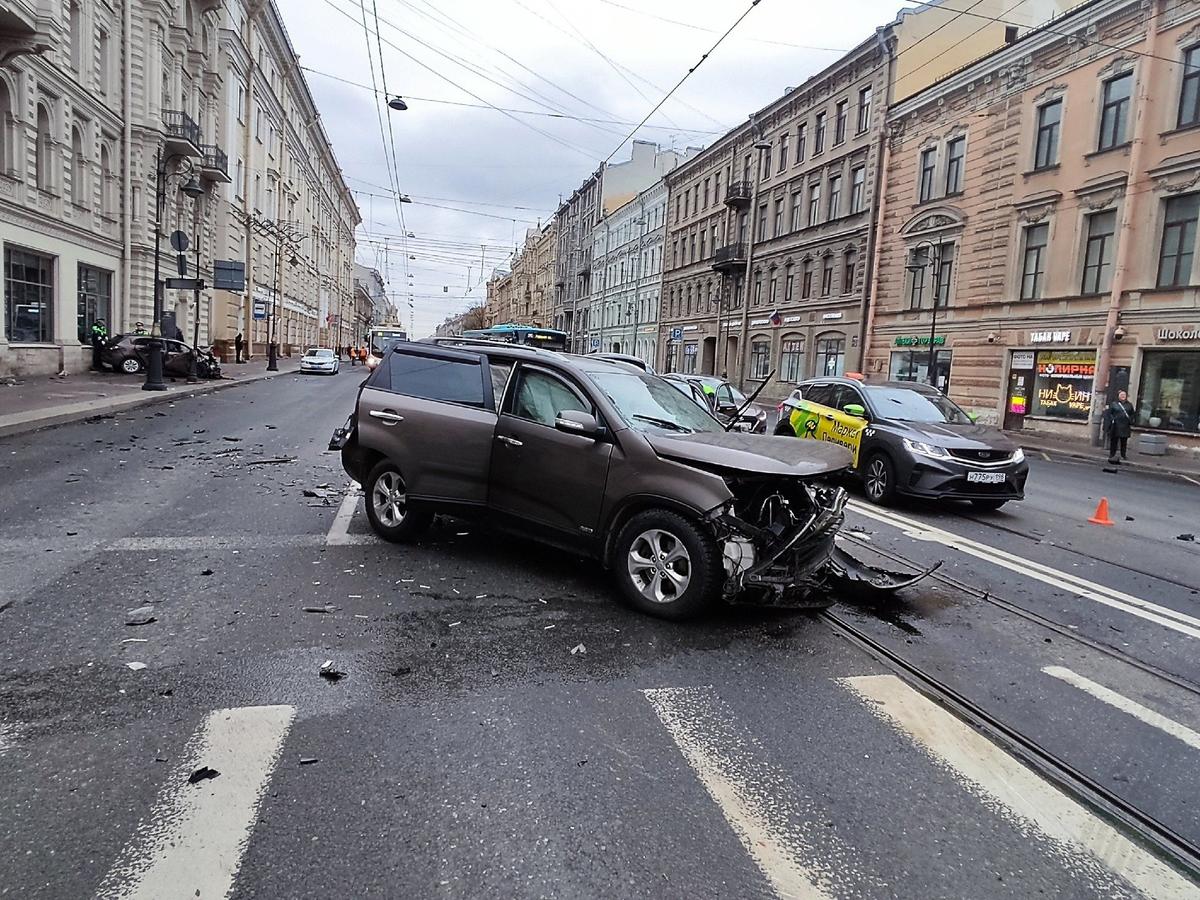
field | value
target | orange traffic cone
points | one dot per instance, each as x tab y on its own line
1101	515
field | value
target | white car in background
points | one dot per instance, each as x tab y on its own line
319	360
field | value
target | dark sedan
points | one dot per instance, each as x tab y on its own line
908	439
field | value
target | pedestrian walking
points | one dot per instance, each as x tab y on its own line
353	355
99	336
1118	422
238	344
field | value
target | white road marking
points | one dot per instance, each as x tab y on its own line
1126	705
339	531
1015	791
233	542
8	737
754	799
1188	478
1127	603
193	842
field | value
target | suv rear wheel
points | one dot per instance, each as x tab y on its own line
387	506
666	566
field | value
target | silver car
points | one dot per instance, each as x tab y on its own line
319	361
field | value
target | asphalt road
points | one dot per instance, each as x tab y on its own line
504	728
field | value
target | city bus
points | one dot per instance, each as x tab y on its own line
547	338
380	339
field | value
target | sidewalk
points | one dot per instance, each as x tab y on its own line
1187	467
45	400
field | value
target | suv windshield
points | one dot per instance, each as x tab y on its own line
908	405
647	403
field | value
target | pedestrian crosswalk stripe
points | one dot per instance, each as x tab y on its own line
1015	791
193	841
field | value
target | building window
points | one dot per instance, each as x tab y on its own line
858	188
778	216
764	164
831	355
1178	241
945	273
791	358
774	297
28	296
1115	110
1097	256
839	122
806	280
106	182
703	236
814	203
835	195
706	186
1033	269
78	168
95	300
928	165
827	276
75	24
1049	120
819	137
757	288
864	110
103	62
689	357
849	263
1169	390
44	151
761	233
1189	93
956	152
797	209
913	365
783	151
760	358
918	266
801	140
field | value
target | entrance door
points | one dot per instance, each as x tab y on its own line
1018	398
708	354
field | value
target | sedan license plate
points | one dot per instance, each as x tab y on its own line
986	477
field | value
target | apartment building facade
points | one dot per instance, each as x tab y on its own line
768	233
573	223
1040	225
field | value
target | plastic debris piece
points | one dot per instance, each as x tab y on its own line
452	624
308	760
1185	537
136	641
480	596
207	572
578	649
204	773
135	666
327	608
143	615
329	673
548	627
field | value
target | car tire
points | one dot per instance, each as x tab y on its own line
393	521
879	479
784	428
130	365
689	582
990	505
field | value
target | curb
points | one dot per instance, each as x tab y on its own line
149	398
1140	468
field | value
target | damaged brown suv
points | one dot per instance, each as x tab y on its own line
598	457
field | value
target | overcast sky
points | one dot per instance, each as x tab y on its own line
606	60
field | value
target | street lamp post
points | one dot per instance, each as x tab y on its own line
154	368
918	270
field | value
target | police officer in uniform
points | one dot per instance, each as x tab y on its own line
99	336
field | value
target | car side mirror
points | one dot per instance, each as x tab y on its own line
974	417
855	409
572	421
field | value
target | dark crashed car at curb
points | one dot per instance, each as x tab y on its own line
599	458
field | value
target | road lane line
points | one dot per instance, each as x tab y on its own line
757	802
1127	603
1015	791
339	531
1126	705
233	542
193	841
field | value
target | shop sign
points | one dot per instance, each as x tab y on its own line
830	317
760	321
1022	359
923	341
789	320
1063	383
1177	334
1049	337
691	327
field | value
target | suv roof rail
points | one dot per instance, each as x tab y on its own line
482	342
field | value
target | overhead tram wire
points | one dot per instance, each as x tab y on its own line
375	87
686	75
522	112
576	149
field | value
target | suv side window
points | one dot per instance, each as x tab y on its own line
725	395
820	394
434	378
500	370
540	397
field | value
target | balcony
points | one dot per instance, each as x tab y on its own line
739	193
183	135
585	261
214	165
730	257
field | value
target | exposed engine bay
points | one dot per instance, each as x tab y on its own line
777	541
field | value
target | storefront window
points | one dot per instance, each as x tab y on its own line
95	300
28	296
672	350
831	355
1062	387
689	358
791	359
760	359
913	365
1169	390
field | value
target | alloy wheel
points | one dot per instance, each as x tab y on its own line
130	365
660	566
389	500
877	479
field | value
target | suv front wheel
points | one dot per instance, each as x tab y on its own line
666	566
387	506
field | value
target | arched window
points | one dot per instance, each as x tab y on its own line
106	181
44	148
78	168
6	141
